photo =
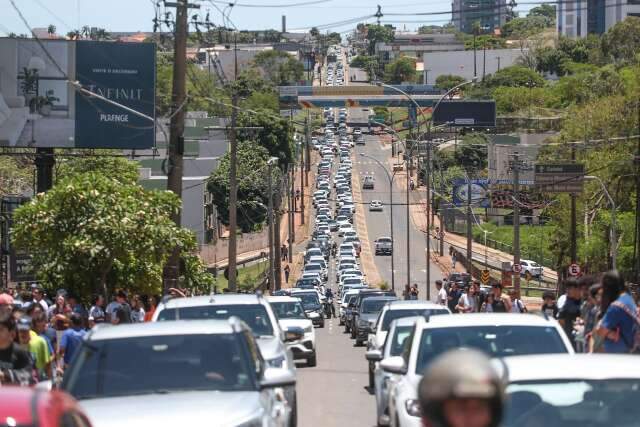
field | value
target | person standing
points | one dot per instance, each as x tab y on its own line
152	303
453	260
414	292
620	319
287	271
441	294
96	312
469	301
570	310
16	366
37	348
517	306
549	306
137	310
38	297
283	252
71	339
406	294
454	296
496	301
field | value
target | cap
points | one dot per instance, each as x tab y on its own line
6	299
24	323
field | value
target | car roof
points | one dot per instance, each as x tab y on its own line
489	319
217	299
282	298
412	304
405	321
568	366
151	329
381	298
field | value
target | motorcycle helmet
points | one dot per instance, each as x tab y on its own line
460	374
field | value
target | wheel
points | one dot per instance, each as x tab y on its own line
312	361
322	323
346	328
293	422
354	333
371	378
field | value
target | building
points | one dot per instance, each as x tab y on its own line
461	62
490	14
416	46
578	18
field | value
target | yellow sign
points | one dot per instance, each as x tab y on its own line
485	276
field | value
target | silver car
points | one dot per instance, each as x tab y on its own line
255	311
177	373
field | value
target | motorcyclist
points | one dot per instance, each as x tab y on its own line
329	295
412	184
334	249
454	397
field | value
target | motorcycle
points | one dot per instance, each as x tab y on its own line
329	309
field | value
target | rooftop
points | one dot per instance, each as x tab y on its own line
489	319
151	329
218	299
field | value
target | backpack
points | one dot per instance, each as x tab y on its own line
634	347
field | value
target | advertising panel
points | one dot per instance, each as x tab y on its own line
479	193
39	107
466	113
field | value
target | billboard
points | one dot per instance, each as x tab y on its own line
479	193
40	108
466	113
20	266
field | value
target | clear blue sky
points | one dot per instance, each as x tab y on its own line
134	15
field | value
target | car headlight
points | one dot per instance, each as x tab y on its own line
313	314
413	407
276	362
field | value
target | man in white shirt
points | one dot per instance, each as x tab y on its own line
38	297
440	296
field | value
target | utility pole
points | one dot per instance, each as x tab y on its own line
469	230
272	279
498	58
636	242
429	218
516	220
484	59
171	270
291	179
277	244
307	144
408	220
233	197
442	211
302	181
573	233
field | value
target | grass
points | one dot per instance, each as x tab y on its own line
248	277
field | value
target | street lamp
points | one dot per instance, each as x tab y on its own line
614	237
272	278
390	177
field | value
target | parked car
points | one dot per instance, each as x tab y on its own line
290	313
368	313
25	406
383	246
498	335
531	267
210	369
375	206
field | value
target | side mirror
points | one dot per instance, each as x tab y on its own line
374	355
293	333
275	377
394	364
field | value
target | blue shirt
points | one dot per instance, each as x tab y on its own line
71	341
616	318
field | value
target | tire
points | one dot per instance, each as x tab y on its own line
354	333
346	328
322	323
293	422
312	361
372	383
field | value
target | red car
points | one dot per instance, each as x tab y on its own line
24	406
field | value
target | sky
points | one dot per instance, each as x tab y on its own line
136	15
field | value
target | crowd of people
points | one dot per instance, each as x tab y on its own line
39	336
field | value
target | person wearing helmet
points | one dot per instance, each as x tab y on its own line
454	397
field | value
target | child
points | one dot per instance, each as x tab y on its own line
549	305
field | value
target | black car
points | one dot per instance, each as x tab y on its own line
355	304
367	183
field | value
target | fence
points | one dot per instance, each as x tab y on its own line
524	254
249	242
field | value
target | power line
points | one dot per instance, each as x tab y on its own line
272	5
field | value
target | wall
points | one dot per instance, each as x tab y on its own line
212	254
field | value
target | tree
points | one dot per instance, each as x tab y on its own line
472	152
16	175
119	168
621	43
252	186
274	135
51	30
401	70
515	76
314	32
91	233
484	41
448	81
546	10
378	33
279	67
527	26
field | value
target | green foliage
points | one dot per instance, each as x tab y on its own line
471	154
275	135
401	70
486	41
621	43
589	85
515	76
448	81
279	67
514	99
527	27
91	233
546	10
252	186
119	168
16	175
378	33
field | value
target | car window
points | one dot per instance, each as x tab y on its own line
288	310
308	299
391	315
254	315
495	341
110	368
373	305
397	344
555	403
254	352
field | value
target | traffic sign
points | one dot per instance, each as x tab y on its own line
485	276
517	268
574	270
559	178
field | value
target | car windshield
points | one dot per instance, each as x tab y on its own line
254	315
309	300
312	267
573	402
496	341
373	306
401	333
288	310
110	368
392	315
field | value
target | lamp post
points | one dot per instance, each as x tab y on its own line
272	252
390	178
614	237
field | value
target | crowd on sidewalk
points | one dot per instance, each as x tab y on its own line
598	314
39	336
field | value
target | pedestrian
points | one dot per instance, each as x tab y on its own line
283	252
570	310
517	306
469	301
96	312
37	347
59	308
122	313
620	322
406	294
441	294
16	366
150	307
453	260
71	340
497	302
589	313
454	296
287	271
549	306
38	297
137	310
414	292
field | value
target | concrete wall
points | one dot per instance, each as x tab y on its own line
213	254
460	62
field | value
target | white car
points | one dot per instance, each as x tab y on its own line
558	390
290	313
375	206
345	228
498	334
532	267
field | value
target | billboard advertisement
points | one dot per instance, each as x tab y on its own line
466	113
40	108
479	193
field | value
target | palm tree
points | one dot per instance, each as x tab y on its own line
73	35
86	31
51	30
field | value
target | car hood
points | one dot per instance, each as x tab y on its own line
183	408
369	317
299	323
270	347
